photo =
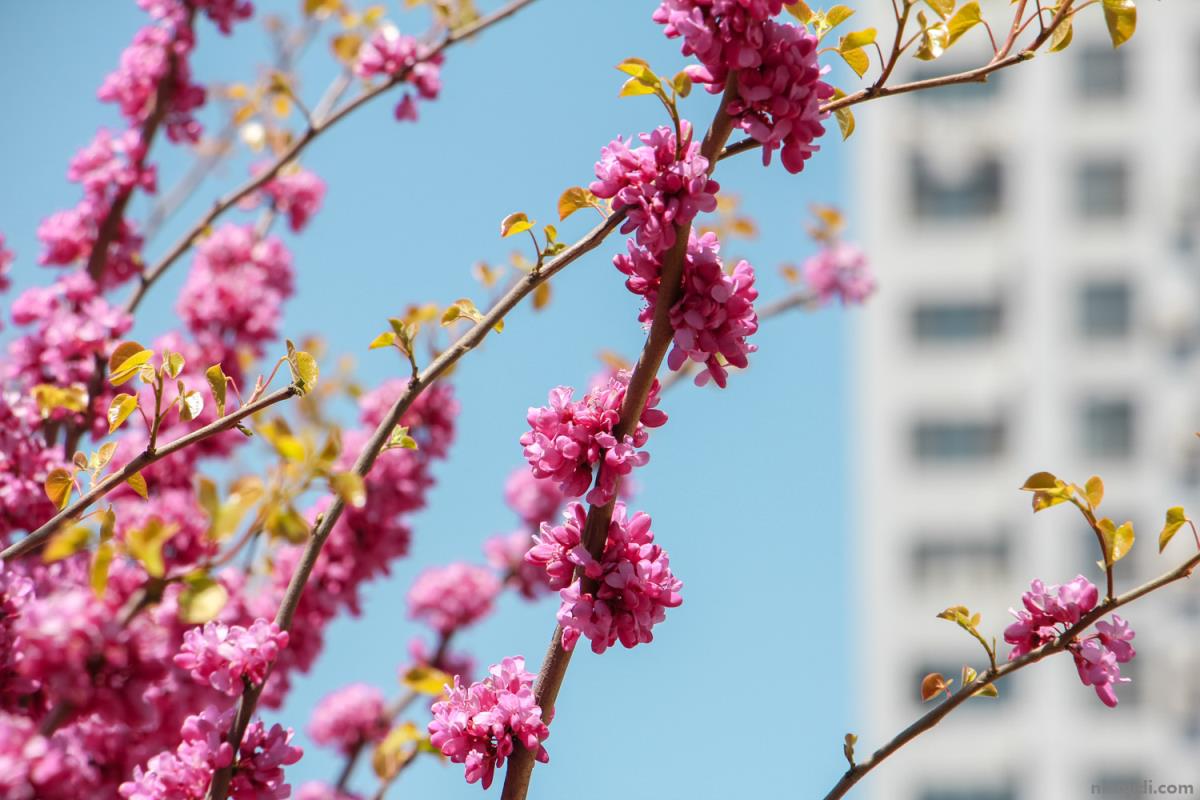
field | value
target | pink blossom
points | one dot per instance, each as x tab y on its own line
112	164
298	194
146	63
660	191
535	500
401	58
348	717
568	438
479	724
69	237
634	582
842	271
25	462
6	260
1098	668
1116	636
224	656
452	597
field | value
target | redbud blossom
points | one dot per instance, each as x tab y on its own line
349	717
452	597
225	656
842	271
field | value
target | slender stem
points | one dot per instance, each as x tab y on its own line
890	64
641	382
465	343
936	715
311	133
140	461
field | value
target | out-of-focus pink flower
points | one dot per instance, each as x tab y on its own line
842	271
452	597
396	56
298	194
506	553
534	500
224	656
349	717
479	724
6	260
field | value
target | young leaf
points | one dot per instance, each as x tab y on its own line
1121	18
172	364
59	484
1176	519
1117	540
99	571
1061	38
514	224
1094	491
202	599
130	367
572	199
932	685
800	11
66	542
964	19
857	59
349	486
191	403
303	367
138	484
426	680
385	339
682	83
145	544
217	384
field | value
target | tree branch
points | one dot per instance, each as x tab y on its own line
990	676
140	461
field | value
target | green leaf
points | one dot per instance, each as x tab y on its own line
350	487
857	39
400	438
217	384
119	410
642	80
303	367
66	542
857	60
145	544
682	83
573	199
130	366
964	19
1062	36
635	88
1121	18
172	364
202	599
385	339
1118	541
1176	519
99	571
514	224
59	484
138	484
836	16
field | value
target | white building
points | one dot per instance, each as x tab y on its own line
1037	240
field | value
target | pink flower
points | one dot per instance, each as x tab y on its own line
635	585
506	553
660	191
298	194
568	438
224	656
480	724
348	717
452	597
841	271
6	260
1116	636
111	165
25	462
402	58
534	500
146	63
1098	668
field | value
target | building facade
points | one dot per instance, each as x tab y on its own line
1036	240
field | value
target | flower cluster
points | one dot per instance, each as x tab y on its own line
399	57
297	193
660	189
840	270
779	90
186	772
348	717
1097	657
568	438
633	578
235	291
535	500
25	461
225	656
480	724
452	597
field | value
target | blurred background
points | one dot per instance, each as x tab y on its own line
1034	241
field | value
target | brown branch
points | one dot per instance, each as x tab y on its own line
311	133
990	676
140	461
465	343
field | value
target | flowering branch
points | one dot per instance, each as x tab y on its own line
315	128
139	462
860	769
467	342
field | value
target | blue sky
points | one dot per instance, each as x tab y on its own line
745	690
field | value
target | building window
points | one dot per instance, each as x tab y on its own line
952	322
942	441
1102	188
1108	428
1105	309
1102	72
972	193
941	559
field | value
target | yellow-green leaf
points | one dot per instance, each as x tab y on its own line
99	572
682	83
173	364
800	10
66	542
217	384
59	484
963	20
191	403
573	199
1176	519
943	8
202	599
399	747
427	680
514	224
145	544
1118	541
130	366
286	523
138	484
1094	490
857	60
121	353
303	367
385	339
119	410
635	87
837	15
101	457
1062	36
1121	18
857	39
350	487
1040	481
50	398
